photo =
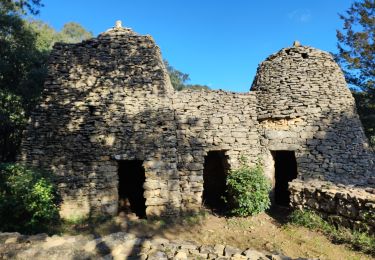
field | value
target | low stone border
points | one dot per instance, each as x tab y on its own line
117	246
351	207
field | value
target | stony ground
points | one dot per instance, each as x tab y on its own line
265	233
207	236
118	245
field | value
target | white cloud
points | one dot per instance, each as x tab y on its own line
300	15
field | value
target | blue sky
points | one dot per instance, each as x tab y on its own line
218	43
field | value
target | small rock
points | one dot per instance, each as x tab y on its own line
11	240
253	254
280	257
219	249
180	255
238	257
230	251
206	249
158	255
296	44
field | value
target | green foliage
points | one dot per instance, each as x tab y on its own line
358	240
72	33
366	110
196	87
248	190
20	60
28	200
20	6
22	72
179	79
45	35
356	45
25	47
12	122
356	57
363	242
308	219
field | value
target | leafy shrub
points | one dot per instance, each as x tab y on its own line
358	240
308	219
248	190
12	122
28	201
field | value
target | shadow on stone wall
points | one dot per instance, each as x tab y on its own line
340	150
75	146
82	154
82	167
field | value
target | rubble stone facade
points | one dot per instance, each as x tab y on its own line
109	99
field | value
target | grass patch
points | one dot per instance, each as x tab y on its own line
243	223
361	241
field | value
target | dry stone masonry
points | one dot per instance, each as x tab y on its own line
109	99
350	207
120	246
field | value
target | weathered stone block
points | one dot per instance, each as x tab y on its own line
110	99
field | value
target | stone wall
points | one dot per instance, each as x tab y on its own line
306	107
110	98
345	206
105	99
211	121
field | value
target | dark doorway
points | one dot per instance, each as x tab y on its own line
214	177
285	171
131	178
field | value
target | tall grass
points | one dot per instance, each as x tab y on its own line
361	241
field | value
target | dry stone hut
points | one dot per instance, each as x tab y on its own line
111	127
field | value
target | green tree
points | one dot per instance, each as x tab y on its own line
356	45
179	79
20	59
24	49
365	104
73	32
46	36
12	122
356	57
20	72
20	6
196	87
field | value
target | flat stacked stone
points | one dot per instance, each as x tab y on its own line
346	206
110	98
105	99
119	246
304	105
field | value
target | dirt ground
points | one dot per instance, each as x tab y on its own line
264	232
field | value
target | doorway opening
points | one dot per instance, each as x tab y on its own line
285	172
130	187
214	180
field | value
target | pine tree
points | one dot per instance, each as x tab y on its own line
356	57
356	45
